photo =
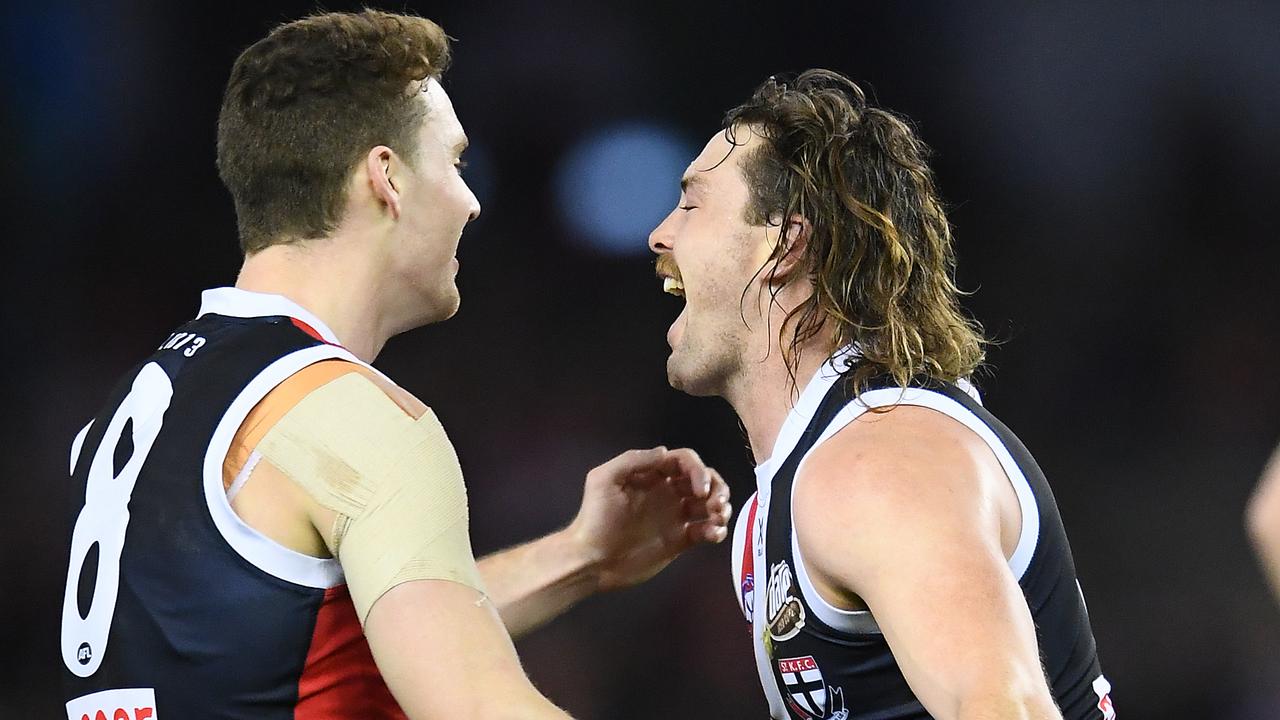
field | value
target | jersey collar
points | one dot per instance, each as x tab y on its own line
805	408
234	302
802	412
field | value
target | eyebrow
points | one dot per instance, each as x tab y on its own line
692	181
461	146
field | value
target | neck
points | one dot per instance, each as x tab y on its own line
765	392
336	285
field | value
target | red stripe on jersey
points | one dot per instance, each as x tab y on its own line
308	330
340	679
748	546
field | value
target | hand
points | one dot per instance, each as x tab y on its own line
643	508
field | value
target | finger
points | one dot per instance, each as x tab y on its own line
689	475
635	466
641	479
716	503
716	507
697	509
718	512
726	513
719	493
705	532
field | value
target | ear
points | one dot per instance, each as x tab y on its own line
381	165
793	240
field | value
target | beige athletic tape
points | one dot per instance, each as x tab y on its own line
394	481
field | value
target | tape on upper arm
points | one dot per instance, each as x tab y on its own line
394	482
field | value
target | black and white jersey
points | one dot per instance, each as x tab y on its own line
174	607
819	661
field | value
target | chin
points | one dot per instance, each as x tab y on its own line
434	312
451	308
690	379
445	304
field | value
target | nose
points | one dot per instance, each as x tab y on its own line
660	240
475	207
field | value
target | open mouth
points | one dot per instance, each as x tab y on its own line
670	275
673	284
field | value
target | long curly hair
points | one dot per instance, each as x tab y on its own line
879	251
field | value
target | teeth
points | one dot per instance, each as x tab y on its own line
673	286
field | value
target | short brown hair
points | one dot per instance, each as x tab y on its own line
304	104
880	250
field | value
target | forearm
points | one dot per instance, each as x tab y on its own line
1005	703
533	583
523	706
445	654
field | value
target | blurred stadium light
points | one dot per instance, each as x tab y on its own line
615	185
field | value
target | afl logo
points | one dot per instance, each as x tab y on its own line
84	654
785	613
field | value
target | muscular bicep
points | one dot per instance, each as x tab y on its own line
444	653
902	516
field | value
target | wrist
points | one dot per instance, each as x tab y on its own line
585	558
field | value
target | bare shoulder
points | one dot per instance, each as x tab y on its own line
908	470
905	450
899	493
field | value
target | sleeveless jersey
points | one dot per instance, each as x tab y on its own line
174	607
819	661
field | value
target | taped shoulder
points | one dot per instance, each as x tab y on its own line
394	480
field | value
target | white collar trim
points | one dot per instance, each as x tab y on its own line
803	411
807	405
234	302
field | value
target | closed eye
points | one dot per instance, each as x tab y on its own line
460	166
687	207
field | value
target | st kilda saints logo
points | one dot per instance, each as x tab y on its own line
785	613
808	693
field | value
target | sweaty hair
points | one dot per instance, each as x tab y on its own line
879	251
306	103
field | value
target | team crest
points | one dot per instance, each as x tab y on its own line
748	595
807	691
785	613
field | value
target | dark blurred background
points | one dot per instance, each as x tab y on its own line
1112	171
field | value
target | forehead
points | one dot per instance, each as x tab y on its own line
441	120
717	164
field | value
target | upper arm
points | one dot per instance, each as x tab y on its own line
268	499
903	510
444	653
1264	507
1264	520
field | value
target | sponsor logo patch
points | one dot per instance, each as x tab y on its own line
1102	688
122	704
785	613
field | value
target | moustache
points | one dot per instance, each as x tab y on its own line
666	267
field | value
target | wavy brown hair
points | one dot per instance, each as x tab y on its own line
303	106
879	251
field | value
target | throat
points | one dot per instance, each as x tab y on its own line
765	396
